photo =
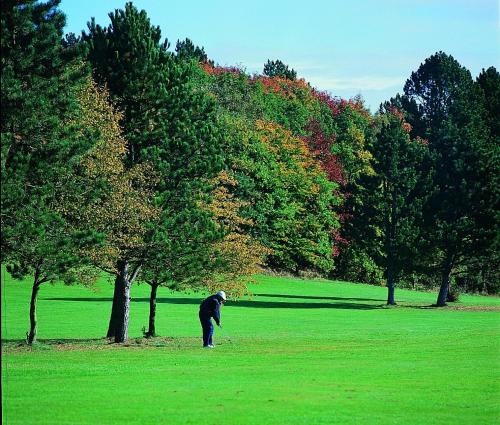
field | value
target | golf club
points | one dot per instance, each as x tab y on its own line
226	334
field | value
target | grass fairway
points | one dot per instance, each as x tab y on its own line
301	352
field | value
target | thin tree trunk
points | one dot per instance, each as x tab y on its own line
390	230
390	283
152	311
445	281
33	322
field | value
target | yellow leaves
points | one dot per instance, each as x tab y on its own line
243	258
99	117
242	255
108	198
225	206
292	155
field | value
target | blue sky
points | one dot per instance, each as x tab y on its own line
345	47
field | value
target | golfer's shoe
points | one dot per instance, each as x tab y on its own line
212	346
208	346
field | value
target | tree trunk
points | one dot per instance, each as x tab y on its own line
33	325
390	282
449	297
123	302
120	311
152	311
118	322
445	281
113	320
390	230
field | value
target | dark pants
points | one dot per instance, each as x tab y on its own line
208	330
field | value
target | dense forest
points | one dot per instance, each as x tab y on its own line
122	154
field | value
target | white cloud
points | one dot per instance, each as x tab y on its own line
356	83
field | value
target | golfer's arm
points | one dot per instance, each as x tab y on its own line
217	314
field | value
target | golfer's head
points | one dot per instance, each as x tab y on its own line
222	296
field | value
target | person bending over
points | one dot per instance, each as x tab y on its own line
209	308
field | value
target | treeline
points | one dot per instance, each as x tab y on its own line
120	155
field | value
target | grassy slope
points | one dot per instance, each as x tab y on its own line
304	352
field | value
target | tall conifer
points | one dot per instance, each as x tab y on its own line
450	107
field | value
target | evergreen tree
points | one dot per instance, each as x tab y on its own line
449	105
489	81
483	268
396	193
278	69
166	124
40	147
186	50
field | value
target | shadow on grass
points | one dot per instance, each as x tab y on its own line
243	303
313	297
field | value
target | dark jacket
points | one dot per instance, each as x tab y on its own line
210	307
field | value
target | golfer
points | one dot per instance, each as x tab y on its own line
209	308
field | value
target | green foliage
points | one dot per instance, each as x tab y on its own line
337	134
166	123
40	149
395	195
489	81
289	199
327	187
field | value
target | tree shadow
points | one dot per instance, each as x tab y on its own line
242	303
313	297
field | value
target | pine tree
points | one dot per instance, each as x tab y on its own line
483	268
40	148
185	50
450	107
278	69
396	193
489	81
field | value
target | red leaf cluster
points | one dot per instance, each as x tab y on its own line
340	243
321	147
280	85
338	105
332	102
218	70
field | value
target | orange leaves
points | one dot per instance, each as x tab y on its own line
282	86
406	127
288	148
219	70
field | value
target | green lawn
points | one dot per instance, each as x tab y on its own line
300	352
